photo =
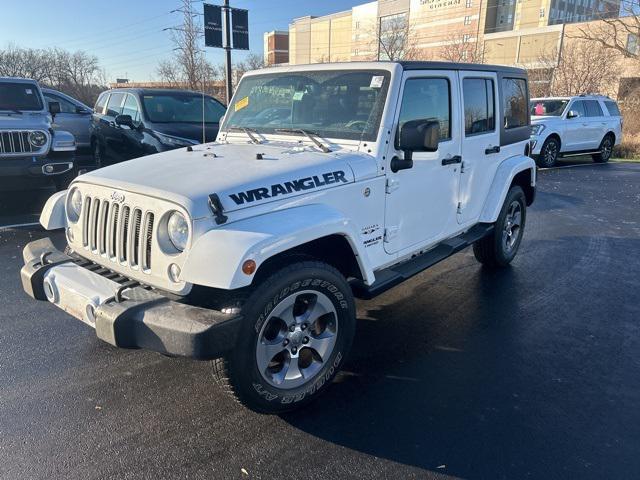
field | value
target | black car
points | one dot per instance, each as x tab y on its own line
132	122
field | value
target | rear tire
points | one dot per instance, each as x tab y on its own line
605	150
298	326
500	247
549	153
98	155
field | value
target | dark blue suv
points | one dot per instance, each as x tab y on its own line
132	122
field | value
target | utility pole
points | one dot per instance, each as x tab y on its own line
227	48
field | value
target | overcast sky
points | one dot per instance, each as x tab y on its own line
127	36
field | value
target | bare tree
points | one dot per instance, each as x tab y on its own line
391	39
619	34
462	48
581	67
188	68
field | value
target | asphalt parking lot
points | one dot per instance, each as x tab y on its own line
530	372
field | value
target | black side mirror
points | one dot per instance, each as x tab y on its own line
422	135
82	110
572	114
124	120
54	108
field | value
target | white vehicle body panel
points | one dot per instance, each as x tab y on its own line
348	192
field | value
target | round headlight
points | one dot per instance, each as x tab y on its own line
37	139
178	230
74	205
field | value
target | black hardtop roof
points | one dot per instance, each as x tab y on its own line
416	65
156	91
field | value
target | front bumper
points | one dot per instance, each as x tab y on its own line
55	163
122	314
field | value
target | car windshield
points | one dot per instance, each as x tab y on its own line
328	103
19	96
552	108
181	108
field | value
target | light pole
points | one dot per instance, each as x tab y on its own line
227	48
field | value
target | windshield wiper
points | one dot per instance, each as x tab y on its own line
310	135
249	131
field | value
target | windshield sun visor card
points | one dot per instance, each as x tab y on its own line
376	81
297	96
242	103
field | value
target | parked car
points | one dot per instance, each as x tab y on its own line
567	126
326	182
133	122
31	153
74	116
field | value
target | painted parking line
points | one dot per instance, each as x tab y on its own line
19	225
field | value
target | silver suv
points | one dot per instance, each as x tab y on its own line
31	153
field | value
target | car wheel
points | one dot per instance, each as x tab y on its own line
500	247
548	153
605	150
97	154
298	327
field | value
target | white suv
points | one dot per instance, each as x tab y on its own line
326	182
566	126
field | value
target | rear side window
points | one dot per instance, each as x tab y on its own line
593	108
427	98
612	108
516	104
102	101
479	116
113	108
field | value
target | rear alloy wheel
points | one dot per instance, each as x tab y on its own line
298	325
605	150
548	153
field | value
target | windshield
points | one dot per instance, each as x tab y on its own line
19	96
181	108
552	108
331	104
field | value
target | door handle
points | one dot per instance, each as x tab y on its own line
452	160
490	150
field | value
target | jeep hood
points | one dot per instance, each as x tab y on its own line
242	175
19	121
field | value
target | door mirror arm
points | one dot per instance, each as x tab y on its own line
405	163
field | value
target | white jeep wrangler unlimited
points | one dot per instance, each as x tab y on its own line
326	182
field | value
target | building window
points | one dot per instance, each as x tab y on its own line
463	55
465	38
469	3
467	20
542	13
358	24
632	44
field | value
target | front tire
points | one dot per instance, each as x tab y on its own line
500	247
549	153
604	151
298	329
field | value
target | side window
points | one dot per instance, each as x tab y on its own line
427	98
65	105
593	108
514	96
102	101
114	108
578	107
131	108
479	115
612	108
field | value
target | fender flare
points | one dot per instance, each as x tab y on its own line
53	215
502	180
216	258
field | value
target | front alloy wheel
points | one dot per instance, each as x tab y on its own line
298	325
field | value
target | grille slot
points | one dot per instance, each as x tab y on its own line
121	233
16	142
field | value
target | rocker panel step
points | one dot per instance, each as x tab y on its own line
398	273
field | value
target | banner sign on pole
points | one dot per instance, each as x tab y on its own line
240	30
212	25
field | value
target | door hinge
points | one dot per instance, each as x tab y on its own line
390	233
459	209
392	184
462	167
